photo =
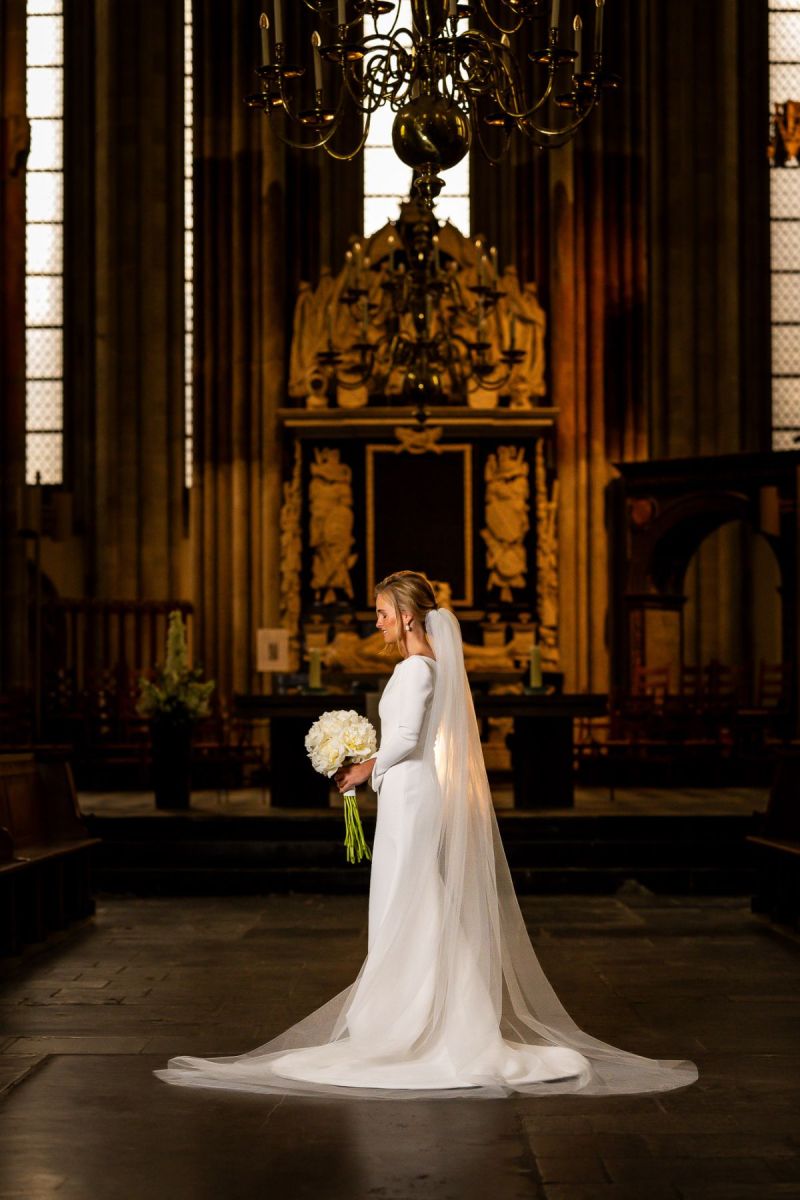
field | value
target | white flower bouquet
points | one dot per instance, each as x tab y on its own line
335	739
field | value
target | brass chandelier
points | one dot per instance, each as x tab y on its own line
448	85
416	317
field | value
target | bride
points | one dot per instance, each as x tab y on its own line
451	1000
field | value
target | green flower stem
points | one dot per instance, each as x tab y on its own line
354	840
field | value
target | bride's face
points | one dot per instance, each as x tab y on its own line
385	618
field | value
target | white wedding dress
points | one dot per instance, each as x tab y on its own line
450	999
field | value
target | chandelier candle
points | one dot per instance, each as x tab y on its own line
264	25
577	26
336	739
315	42
598	26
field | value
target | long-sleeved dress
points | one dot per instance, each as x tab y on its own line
391	1005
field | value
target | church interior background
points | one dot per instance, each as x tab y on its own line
224	393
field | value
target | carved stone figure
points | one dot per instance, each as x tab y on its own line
507	523
547	562
291	558
330	496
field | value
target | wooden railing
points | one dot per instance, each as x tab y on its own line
84	639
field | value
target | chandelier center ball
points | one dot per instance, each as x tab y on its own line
431	131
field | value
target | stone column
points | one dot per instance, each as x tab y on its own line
136	539
240	348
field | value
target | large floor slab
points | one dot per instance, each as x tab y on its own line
84	1023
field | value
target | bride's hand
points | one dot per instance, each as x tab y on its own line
349	777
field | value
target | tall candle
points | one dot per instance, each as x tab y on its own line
577	25
535	673
315	42
453	8
513	331
598	25
341	16
264	25
278	22
493	255
315	668
555	13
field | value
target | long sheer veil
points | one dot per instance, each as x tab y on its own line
481	904
480	983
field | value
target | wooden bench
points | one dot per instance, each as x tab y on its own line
776	845
44	849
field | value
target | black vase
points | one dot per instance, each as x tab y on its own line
171	744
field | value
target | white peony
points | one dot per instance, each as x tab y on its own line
337	737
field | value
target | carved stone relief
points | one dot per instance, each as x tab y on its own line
291	542
547	562
331	526
507	523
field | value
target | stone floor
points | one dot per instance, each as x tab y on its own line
86	1021
589	801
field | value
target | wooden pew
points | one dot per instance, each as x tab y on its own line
776	845
44	850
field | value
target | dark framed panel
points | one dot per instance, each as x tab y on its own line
419	516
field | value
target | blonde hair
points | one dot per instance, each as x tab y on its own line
409	590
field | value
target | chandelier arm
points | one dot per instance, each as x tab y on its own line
557	134
325	11
321	141
381	84
485	49
500	28
375	20
494	159
288	141
352	153
380	79
516	88
294	117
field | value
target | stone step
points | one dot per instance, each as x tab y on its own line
352	879
539	853
194	853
